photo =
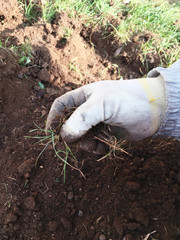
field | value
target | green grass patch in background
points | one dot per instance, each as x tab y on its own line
49	10
158	18
30	10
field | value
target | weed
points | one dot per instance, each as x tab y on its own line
52	139
48	10
73	66
24	52
25	183
67	33
4	43
63	41
117	71
30	10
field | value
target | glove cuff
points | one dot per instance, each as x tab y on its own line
170	125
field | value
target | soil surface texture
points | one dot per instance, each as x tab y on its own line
120	197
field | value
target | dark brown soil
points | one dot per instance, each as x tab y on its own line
122	198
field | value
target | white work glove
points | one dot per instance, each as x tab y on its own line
135	105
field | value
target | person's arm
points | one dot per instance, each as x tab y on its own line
170	126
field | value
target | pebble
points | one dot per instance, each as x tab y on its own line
20	75
45	65
80	213
118	51
30	203
26	175
70	195
102	237
52	91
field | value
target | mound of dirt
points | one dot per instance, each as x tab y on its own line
122	197
10	14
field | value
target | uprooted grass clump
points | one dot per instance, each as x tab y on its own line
116	146
51	138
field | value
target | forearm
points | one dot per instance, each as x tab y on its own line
170	125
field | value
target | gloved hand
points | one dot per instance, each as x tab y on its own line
136	105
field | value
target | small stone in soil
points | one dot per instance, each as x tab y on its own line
26	175
80	213
70	196
102	237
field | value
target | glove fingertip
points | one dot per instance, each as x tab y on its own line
68	135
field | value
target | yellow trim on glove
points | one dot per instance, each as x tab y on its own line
152	103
